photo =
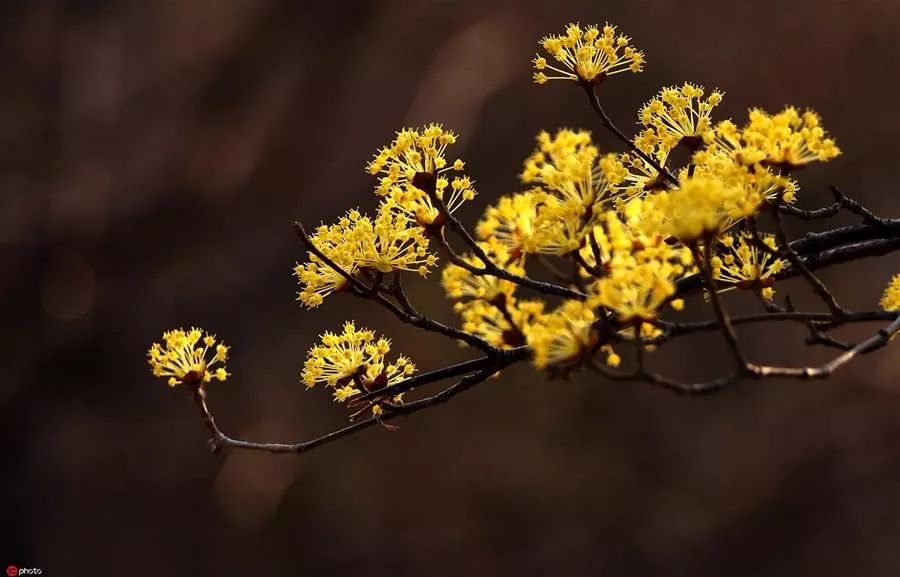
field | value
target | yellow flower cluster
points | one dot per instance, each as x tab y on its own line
640	271
701	207
187	358
741	263
413	167
680	115
512	223
786	140
573	185
460	283
566	337
890	300
390	242
502	322
352	362
587	55
569	167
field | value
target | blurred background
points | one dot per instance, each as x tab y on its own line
153	155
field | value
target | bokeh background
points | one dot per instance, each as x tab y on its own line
153	155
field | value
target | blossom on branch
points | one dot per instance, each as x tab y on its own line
188	357
587	55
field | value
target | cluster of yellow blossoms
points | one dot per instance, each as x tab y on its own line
414	166
785	140
588	55
184	361
744	265
680	114
629	225
390	242
353	362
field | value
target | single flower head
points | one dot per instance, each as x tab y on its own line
503	322
680	115
513	223
563	338
353	361
188	358
701	207
784	141
393	242
390	242
739	262
587	55
415	166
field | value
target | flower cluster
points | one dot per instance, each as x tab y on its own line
786	140
640	271
680	115
188	357
701	207
414	167
587	55
390	242
353	362
740	262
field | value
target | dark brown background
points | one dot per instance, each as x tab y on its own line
154	154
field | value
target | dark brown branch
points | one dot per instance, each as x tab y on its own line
797	263
704	263
820	250
221	441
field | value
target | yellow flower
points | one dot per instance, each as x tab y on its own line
890	300
411	168
391	242
488	320
588	55
563	337
459	283
637	292
702	206
621	246
353	361
727	138
756	180
680	115
513	222
184	361
786	140
339	242
740	262
569	167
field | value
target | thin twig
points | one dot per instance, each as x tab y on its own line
704	263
